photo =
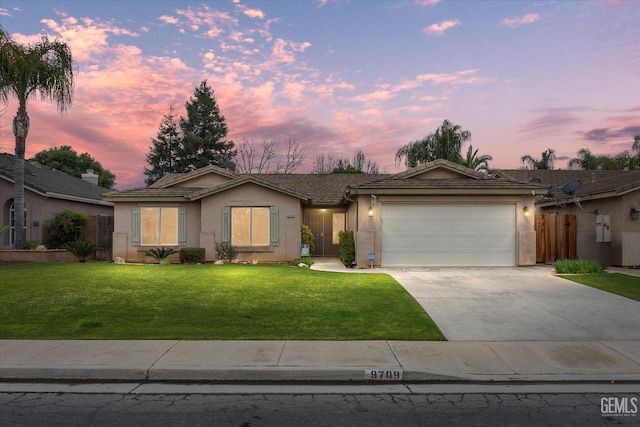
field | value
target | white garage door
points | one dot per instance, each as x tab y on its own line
448	234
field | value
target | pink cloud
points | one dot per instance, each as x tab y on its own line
527	19
254	13
440	28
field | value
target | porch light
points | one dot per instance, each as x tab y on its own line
370	212
526	211
635	213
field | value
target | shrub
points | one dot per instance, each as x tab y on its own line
192	255
3	230
161	254
65	227
225	251
308	238
30	244
347	248
81	250
304	260
575	266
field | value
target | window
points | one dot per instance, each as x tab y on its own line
250	226
12	223
159	226
338	226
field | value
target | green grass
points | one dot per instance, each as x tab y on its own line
205	302
619	284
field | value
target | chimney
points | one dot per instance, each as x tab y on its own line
90	177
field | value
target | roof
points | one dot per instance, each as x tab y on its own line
52	182
592	182
332	189
469	182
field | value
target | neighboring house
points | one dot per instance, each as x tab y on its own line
438	214
47	192
607	210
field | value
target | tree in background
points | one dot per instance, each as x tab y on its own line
163	154
445	143
67	160
44	68
204	132
359	163
622	161
476	162
271	158
546	160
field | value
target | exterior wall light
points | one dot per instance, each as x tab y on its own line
526	211
370	212
635	213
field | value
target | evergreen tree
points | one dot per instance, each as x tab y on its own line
164	152
204	132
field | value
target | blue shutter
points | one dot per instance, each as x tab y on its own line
273	226
226	224
182	226
135	232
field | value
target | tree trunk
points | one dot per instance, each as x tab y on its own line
20	131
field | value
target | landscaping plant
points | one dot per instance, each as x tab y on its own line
81	250
192	255
308	238
226	252
347	248
577	266
65	227
161	254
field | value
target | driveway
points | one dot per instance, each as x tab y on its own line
518	304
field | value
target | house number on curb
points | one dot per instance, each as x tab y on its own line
383	374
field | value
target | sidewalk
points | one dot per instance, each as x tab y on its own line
319	361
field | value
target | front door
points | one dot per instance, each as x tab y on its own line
326	224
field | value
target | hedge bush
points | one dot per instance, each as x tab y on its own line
192	255
347	248
65	227
224	251
308	238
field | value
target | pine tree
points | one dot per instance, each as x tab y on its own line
163	154
204	132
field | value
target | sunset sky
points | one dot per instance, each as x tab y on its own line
339	75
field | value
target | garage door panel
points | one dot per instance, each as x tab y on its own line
448	234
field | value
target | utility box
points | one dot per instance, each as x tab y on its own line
603	228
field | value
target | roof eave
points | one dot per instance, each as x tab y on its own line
444	191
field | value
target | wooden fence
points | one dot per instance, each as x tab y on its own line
99	230
555	237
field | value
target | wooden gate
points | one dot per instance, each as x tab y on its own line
555	237
104	236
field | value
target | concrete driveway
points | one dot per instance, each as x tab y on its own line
518	304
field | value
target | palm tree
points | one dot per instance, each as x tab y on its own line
545	162
585	160
446	143
45	68
473	161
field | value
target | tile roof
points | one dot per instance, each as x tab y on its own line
592	181
51	182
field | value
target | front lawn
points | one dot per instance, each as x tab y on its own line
205	302
620	284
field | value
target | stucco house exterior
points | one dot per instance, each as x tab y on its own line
438	214
606	205
47	192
